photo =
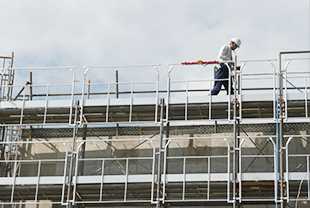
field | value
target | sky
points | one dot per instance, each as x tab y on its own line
48	33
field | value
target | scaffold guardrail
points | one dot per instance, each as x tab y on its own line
177	183
35	104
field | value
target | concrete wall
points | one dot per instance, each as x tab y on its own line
182	147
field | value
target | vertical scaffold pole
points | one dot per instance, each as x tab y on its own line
30	83
73	158
116	93
83	149
11	78
280	126
2	148
158	205
236	139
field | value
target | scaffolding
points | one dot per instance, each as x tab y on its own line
130	143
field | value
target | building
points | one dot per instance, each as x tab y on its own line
115	144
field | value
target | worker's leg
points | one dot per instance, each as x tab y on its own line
217	88
225	83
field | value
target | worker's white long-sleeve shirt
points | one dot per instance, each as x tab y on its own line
225	54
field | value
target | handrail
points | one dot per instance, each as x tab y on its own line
117	84
40	68
273	74
30	85
117	140
122	66
285	71
275	171
184	158
187	90
152	158
287	155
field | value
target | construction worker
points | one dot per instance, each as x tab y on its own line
221	70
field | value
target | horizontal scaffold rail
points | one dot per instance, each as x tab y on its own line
135	102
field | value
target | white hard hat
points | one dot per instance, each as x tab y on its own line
237	41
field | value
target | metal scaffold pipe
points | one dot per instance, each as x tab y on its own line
280	131
71	186
158	205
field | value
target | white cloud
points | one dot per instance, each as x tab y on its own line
118	32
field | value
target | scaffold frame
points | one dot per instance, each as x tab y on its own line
171	136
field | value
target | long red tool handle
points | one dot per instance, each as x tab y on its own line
200	62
